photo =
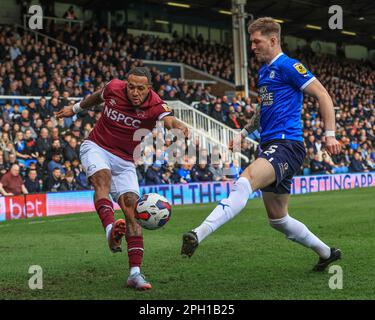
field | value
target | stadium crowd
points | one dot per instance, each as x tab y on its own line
44	150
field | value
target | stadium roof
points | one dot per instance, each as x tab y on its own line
358	16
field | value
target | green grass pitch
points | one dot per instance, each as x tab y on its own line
245	259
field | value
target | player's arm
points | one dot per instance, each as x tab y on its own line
171	122
90	101
249	128
327	111
253	124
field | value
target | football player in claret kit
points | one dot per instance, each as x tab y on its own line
281	83
107	157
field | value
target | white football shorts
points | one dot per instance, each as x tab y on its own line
124	176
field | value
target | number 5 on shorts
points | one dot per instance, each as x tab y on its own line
270	150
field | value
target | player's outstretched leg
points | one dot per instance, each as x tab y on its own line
226	210
259	174
104	207
276	206
114	230
134	239
296	231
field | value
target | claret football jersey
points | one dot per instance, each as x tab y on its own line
120	120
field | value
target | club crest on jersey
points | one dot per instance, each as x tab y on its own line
112	102
141	114
300	68
272	74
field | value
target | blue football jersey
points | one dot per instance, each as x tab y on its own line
281	85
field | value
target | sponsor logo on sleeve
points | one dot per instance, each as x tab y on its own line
300	68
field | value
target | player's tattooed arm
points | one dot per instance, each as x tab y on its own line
253	124
92	100
171	122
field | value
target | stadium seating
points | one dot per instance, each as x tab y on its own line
30	68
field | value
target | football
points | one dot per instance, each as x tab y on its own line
153	211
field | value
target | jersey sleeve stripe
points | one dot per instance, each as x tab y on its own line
164	114
307	83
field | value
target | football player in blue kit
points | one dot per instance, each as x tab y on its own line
282	82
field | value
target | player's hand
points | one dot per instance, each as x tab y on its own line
65	112
333	146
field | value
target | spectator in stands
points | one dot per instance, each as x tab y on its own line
32	183
316	166
201	172
154	174
14	51
23	153
43	143
69	183
55	149
43	109
69	14
203	106
232	120
89	118
369	163
6	146
328	167
140	170
184	173
53	181
11	161
41	167
11	183
310	143
217	113
217	172
169	176
55	162
71	151
357	165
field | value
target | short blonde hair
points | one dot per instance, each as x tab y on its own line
266	26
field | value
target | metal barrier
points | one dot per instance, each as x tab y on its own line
213	132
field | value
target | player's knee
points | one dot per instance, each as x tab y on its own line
249	174
101	180
130	199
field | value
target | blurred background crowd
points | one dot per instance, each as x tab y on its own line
44	151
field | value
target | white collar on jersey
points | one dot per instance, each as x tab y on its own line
277	57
